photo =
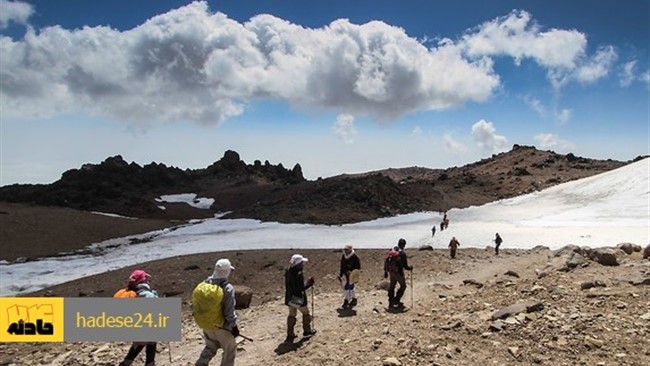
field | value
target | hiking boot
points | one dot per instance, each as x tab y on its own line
398	305
153	363
290	338
309	332
345	304
353	303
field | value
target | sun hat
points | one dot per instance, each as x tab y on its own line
296	259
222	268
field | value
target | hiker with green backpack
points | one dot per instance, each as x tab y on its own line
213	308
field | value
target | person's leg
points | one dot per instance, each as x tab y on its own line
353	296
307	330
391	289
402	288
210	349
291	323
228	345
134	351
151	354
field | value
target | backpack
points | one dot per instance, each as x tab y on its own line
125	293
393	261
206	305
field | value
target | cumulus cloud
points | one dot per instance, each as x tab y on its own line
190	64
485	136
562	52
14	11
551	141
452	145
344	128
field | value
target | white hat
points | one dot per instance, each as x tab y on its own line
296	259
222	268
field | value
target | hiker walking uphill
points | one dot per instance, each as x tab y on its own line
497	242
296	298
349	276
394	265
138	286
213	307
453	245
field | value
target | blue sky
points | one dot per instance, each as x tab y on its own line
337	86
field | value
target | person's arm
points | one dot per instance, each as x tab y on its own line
405	262
342	269
228	306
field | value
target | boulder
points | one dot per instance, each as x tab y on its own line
243	296
425	247
629	248
515	309
646	252
382	285
604	256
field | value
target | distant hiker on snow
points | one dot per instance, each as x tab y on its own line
138	286
348	276
497	241
453	245
394	265
296	298
213	306
433	231
445	221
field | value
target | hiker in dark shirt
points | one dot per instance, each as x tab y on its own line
348	276
394	265
453	245
296	298
497	242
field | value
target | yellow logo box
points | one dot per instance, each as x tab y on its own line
31	319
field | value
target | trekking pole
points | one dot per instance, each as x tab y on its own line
313	315
169	347
411	289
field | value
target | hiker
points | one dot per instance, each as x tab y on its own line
296	298
445	221
221	330
138	282
394	265
433	231
497	241
442	225
453	245
348	276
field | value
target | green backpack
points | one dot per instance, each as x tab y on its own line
206	306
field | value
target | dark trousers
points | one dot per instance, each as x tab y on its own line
135	349
395	278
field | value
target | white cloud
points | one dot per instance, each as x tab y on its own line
598	67
645	77
535	104
518	36
627	73
562	52
190	64
417	131
453	146
550	141
485	136
14	11
563	116
344	128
